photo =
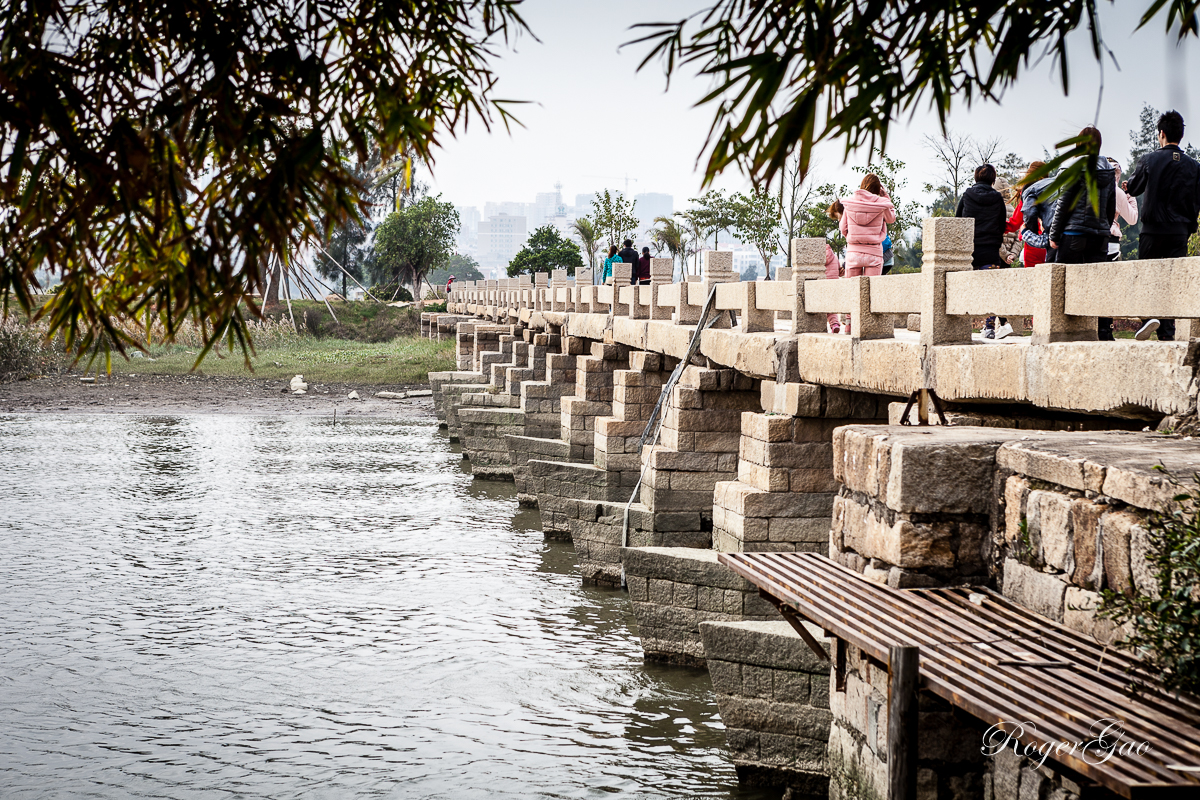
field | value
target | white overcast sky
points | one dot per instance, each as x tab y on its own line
593	119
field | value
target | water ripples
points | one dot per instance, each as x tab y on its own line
223	607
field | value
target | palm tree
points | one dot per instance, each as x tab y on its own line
589	238
671	236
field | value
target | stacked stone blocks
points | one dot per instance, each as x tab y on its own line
773	694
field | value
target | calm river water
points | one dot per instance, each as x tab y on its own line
222	607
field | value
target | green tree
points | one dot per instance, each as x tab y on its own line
462	267
545	251
589	238
159	157
814	220
413	241
889	170
757	217
713	212
613	217
672	237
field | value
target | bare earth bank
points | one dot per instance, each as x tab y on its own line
201	394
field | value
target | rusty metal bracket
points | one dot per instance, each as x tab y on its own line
797	622
918	398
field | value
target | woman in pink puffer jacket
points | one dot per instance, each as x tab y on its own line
864	224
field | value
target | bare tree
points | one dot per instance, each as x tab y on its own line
794	196
985	149
953	154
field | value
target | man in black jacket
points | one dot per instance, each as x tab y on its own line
630	256
1170	205
1078	234
986	206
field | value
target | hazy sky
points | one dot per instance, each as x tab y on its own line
593	119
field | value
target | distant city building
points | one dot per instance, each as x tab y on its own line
512	209
468	230
583	204
651	205
500	238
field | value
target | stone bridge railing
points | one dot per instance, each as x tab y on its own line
1063	299
1059	367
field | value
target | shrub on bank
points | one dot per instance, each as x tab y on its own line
24	350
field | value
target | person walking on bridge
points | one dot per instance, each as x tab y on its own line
985	205
613	258
866	215
1127	209
641	275
1170	181
630	256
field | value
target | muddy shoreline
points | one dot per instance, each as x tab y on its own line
201	394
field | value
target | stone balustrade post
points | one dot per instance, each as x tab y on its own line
754	320
524	291
865	324
541	282
584	292
1051	323
491	292
947	243
808	263
662	271
620	278
558	280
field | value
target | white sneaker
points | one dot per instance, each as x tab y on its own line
1003	330
1144	332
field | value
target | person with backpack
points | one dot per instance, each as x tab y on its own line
1078	233
865	218
1170	182
985	205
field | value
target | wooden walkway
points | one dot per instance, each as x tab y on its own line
1004	665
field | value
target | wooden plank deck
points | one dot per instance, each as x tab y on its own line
1002	664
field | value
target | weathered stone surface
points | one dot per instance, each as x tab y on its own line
1034	589
1116	530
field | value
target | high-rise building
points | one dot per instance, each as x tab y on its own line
500	238
512	209
468	228
583	204
651	205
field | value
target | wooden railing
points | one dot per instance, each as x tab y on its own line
1063	300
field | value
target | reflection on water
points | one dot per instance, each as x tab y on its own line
248	607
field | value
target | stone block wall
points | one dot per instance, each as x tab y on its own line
698	444
773	694
783	498
635	393
482	432
522	450
592	399
673	589
437	380
916	504
1073	523
541	398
